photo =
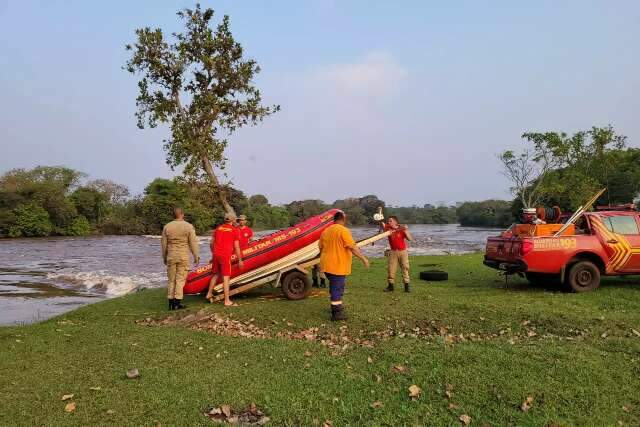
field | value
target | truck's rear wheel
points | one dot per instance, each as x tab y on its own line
296	285
583	276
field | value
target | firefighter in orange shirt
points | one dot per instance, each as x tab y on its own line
336	249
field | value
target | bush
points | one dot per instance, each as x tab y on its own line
488	213
79	227
7	222
31	220
265	217
116	225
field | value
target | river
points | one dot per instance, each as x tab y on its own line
43	277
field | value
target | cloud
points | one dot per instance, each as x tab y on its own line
376	74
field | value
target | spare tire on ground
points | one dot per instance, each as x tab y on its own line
434	275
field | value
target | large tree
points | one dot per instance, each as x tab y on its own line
565	169
202	86
528	169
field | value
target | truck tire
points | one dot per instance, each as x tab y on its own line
296	285
583	276
434	275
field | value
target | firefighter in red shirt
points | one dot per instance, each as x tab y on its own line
224	241
398	253
246	233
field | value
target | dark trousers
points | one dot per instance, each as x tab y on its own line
336	287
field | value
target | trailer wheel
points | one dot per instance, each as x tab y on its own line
296	285
584	276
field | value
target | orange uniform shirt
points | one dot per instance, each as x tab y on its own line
246	233
335	255
223	238
397	238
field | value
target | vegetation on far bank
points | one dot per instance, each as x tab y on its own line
50	201
498	353
556	168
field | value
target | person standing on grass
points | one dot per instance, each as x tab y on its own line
246	233
398	255
178	238
224	241
336	249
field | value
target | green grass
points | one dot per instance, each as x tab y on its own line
582	366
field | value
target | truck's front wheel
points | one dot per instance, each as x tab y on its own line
584	276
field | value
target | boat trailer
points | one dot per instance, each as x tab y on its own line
290	273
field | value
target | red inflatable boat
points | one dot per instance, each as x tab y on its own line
265	250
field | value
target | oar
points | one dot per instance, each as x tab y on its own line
579	212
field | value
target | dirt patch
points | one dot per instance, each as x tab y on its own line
211	322
342	339
225	414
219	325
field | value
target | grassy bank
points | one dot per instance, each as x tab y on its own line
473	346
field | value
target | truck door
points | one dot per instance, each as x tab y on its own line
624	241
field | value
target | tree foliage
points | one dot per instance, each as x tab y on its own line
90	203
31	220
528	169
427	214
567	169
487	213
199	83
258	200
299	210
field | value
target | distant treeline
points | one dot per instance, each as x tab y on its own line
58	201
488	213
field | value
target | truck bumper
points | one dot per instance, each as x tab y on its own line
509	267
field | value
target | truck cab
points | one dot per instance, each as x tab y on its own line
604	242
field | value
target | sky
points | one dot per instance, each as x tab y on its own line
407	100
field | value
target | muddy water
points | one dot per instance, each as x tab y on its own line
40	278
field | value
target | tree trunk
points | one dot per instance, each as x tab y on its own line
206	165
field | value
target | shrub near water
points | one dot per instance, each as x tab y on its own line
79	227
31	220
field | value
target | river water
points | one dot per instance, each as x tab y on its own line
40	278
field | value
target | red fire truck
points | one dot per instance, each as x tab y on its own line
603	242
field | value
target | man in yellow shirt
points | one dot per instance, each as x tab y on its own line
336	249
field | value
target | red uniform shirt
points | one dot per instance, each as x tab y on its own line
397	238
246	233
223	238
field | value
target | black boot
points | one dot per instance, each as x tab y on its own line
322	283
406	287
171	304
177	305
338	313
389	288
315	282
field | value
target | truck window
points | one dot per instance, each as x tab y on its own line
621	224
